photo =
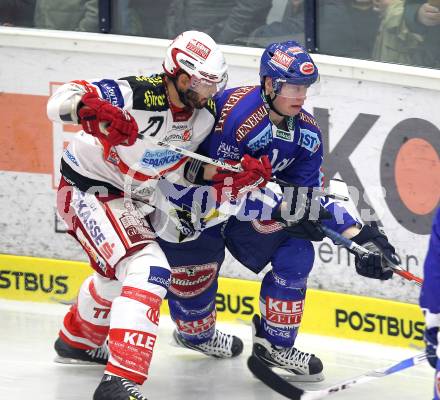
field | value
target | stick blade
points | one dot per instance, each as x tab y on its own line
273	380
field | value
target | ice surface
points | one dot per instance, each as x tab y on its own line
27	370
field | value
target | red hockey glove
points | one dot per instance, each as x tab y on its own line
256	173
106	121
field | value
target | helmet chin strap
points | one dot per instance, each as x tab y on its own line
269	101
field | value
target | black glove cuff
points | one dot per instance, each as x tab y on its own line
276	214
193	172
368	234
78	107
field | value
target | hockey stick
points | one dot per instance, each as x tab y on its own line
224	165
218	163
283	387
191	154
355	248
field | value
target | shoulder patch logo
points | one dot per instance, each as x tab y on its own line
309	140
110	91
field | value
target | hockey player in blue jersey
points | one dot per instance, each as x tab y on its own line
259	122
430	301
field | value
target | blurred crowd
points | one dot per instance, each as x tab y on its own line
397	31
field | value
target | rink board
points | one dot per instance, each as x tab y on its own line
384	147
326	313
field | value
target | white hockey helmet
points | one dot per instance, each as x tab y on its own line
200	57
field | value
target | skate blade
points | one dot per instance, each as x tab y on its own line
74	361
176	343
292	377
173	342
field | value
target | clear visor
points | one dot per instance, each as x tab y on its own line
206	88
299	92
292	91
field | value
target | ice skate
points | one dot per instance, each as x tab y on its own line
67	354
117	388
221	345
306	367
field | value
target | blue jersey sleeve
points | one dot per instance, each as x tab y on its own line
232	129
429	296
341	218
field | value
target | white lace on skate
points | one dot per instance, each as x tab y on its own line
219	346
291	358
132	389
99	353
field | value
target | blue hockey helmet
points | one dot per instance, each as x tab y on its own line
287	62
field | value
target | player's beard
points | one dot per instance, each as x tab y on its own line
191	99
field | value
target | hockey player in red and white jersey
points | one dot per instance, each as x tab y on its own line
109	173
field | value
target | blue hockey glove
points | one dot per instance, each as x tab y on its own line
431	342
374	265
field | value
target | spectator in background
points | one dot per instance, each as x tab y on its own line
395	43
72	15
291	27
17	12
83	15
225	21
152	15
423	17
347	28
126	17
